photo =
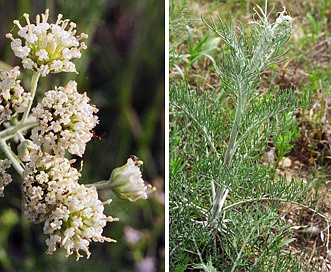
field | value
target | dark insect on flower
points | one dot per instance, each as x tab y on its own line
136	160
58	244
95	136
65	192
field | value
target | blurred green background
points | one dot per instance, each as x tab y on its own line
123	73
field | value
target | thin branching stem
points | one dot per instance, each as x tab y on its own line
34	84
10	155
221	192
19	128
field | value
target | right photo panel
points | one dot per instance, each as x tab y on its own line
249	135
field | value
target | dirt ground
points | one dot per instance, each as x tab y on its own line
310	157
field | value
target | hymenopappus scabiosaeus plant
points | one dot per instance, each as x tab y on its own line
46	131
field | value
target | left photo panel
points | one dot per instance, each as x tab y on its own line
82	136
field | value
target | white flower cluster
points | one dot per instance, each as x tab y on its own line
47	48
72	213
66	121
5	178
13	98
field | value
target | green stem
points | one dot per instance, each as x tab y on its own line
34	84
103	184
221	192
11	131
234	132
9	154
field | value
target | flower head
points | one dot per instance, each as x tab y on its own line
72	213
66	121
13	99
126	181
283	25
271	32
47	47
77	220
46	179
5	178
283	19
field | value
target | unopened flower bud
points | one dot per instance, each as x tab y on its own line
126	182
24	149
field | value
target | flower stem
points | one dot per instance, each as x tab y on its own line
9	154
34	84
11	131
103	184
